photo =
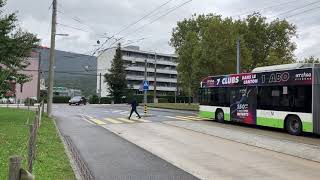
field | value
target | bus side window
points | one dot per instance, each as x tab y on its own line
302	99
264	97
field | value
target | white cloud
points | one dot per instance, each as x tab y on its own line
109	16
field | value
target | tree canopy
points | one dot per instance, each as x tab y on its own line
206	45
116	78
15	47
311	59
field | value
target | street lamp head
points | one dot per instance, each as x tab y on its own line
62	34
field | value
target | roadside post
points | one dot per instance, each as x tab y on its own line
14	167
145	89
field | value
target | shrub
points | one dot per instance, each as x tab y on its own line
94	99
29	102
105	100
61	99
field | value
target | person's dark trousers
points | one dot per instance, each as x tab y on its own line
134	110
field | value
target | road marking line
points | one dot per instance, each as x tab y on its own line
141	120
190	118
178	118
84	118
125	120
97	121
113	121
124	113
200	118
116	111
90	117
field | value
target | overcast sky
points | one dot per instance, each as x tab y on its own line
98	19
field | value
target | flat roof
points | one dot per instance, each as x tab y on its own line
146	52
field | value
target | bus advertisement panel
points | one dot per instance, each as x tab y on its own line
243	104
292	77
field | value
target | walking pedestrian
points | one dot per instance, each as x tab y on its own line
134	105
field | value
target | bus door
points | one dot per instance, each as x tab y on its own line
243	104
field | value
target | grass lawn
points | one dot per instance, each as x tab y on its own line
51	161
178	106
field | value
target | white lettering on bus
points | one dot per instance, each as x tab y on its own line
279	77
230	80
303	75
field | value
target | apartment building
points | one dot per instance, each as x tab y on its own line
134	59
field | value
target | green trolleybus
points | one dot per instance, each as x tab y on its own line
282	96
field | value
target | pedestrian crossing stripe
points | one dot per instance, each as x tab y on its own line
113	121
125	120
97	121
195	118
178	118
141	120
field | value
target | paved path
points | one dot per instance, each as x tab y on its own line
180	139
108	155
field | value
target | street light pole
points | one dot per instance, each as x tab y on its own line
52	57
238	55
155	100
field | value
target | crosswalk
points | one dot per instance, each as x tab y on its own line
125	120
123	112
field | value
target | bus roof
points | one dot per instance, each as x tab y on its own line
282	67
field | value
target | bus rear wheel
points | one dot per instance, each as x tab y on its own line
219	116
294	125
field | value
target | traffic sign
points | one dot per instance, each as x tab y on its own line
145	85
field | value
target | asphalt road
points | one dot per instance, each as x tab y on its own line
108	155
152	148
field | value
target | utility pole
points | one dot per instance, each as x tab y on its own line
52	57
145	100
155	100
100	90
39	74
238	55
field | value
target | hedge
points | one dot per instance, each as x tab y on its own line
61	99
161	99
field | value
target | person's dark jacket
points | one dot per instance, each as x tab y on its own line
134	104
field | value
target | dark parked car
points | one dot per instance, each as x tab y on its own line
77	100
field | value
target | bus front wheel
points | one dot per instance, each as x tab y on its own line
219	116
294	125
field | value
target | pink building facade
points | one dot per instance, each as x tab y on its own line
31	88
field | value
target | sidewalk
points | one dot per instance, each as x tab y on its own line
211	157
281	145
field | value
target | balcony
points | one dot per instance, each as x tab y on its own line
159	61
159	88
159	79
140	68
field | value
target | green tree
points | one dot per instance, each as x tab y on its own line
186	60
206	45
116	78
269	43
311	59
15	47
